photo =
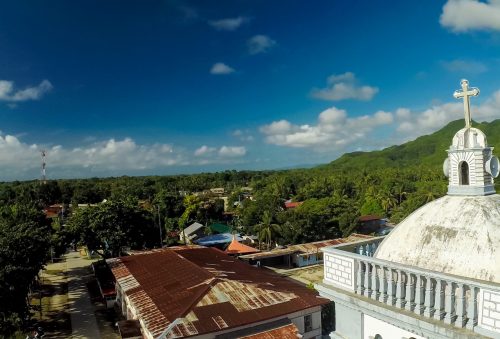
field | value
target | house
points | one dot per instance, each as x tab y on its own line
370	224
220	228
199	292
191	232
292	204
298	255
237	248
218	240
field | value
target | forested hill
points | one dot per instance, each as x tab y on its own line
428	150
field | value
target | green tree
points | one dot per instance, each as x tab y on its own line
112	225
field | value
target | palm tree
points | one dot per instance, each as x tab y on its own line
266	229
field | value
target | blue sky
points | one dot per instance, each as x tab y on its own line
162	87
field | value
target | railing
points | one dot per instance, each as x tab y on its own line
461	302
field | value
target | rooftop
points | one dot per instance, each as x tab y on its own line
206	290
307	248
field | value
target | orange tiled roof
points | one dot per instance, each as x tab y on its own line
235	247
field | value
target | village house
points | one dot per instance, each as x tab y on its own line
199	292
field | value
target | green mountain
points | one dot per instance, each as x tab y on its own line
428	150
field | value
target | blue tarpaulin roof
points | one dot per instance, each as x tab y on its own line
217	239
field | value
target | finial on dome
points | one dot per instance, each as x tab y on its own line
466	93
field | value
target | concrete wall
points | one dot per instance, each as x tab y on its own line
373	326
339	271
489	313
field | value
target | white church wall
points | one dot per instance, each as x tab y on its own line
339	271
489	310
372	326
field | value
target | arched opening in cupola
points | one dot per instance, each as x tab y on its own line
463	173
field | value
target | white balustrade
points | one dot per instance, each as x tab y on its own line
451	299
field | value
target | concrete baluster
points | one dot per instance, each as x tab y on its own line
360	278
461	306
382	283
368	290
375	284
410	292
400	290
449	303
439	304
391	288
472	308
419	295
429	297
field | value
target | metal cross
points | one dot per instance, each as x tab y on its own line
466	93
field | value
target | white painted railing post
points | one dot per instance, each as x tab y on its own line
429	297
360	278
391	288
368	290
400	302
439	297
410	292
461	316
449	303
375	285
419	295
472	308
382	285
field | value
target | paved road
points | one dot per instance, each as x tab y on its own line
83	320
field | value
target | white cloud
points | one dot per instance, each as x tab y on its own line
204	151
413	124
468	15
243	135
464	66
342	87
260	44
334	130
8	93
221	68
109	157
232	151
228	24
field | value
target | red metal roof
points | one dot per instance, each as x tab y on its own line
293	204
206	289
369	217
289	331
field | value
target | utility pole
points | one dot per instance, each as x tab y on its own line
43	153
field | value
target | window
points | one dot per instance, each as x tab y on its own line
308	326
464	173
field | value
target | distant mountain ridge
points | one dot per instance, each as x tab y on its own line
428	150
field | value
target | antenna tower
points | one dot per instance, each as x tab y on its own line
44	178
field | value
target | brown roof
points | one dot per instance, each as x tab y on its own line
206	289
293	204
369	217
289	331
307	248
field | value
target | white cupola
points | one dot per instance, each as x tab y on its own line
470	165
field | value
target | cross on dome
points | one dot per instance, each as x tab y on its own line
466	93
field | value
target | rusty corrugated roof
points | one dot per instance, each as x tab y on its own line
289	331
206	289
305	249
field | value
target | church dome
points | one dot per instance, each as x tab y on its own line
457	235
460	233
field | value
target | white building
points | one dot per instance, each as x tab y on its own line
437	275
